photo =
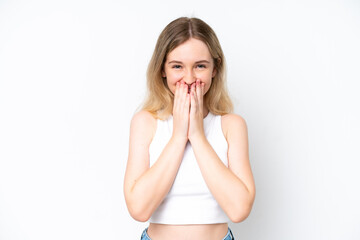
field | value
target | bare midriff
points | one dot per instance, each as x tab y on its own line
187	232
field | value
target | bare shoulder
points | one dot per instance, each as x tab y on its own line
233	123
143	123
143	117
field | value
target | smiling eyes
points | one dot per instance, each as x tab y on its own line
201	66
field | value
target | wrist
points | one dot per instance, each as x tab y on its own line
179	139
196	138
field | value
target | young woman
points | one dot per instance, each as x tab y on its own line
188	170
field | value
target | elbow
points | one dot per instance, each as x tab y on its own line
137	211
139	214
239	215
241	211
140	217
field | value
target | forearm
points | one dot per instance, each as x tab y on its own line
150	189
229	191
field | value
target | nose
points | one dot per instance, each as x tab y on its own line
189	77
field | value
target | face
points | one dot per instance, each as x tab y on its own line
187	63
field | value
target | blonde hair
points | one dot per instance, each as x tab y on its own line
159	100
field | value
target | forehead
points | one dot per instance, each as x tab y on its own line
189	51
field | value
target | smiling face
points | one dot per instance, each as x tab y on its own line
189	62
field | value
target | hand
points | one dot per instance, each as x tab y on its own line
181	111
196	125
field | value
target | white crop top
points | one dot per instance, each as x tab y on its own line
189	200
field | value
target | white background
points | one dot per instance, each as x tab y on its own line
72	73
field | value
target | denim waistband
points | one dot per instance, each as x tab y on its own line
229	235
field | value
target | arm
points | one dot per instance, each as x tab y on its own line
145	187
233	187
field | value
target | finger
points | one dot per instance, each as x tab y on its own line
202	92
181	90
186	88
177	89
198	92
198	88
185	98
176	96
193	88
194	102
184	91
179	97
187	102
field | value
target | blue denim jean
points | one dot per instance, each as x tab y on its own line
229	235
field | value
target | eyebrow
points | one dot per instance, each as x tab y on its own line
201	61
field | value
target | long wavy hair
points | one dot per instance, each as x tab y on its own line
159	100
